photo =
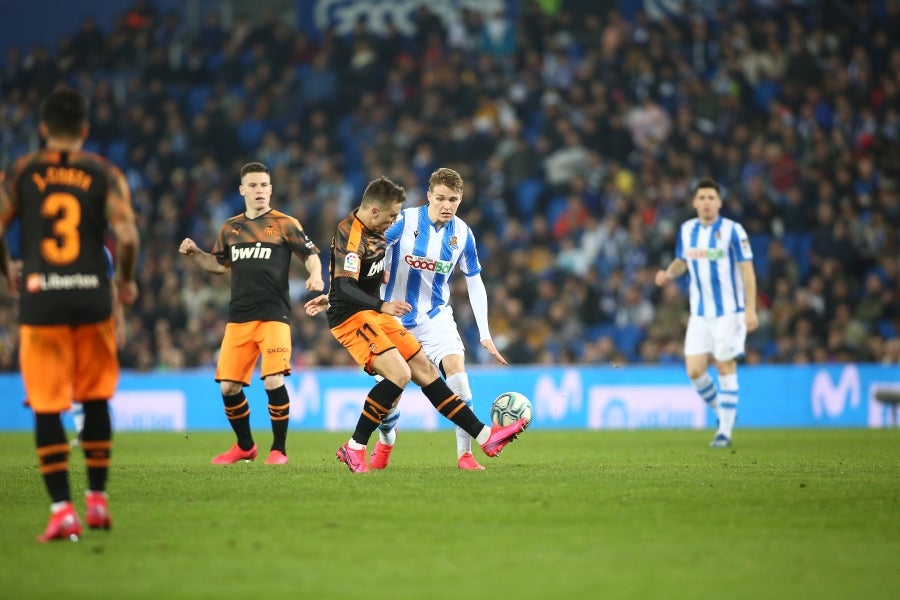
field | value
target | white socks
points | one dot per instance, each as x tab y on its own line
484	436
728	401
459	384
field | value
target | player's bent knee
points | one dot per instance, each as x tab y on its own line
230	388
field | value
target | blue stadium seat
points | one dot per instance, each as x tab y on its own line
886	329
557	207
117	152
628	339
601	331
250	133
759	243
798	246
93	146
196	99
528	196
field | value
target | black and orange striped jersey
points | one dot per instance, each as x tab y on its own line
258	251
356	252
65	202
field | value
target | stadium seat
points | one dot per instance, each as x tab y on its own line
627	340
117	152
601	331
250	133
759	243
528	196
886	329
196	99
798	246
93	146
557	207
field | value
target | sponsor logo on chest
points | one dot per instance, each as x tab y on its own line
376	268
706	253
423	263
250	252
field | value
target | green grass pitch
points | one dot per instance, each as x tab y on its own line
561	514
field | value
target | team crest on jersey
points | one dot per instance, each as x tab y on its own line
453	241
351	263
269	231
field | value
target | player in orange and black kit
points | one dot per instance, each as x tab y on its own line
65	200
257	246
368	328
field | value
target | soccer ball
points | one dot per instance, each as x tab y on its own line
509	407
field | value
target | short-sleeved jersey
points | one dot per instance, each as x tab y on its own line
421	259
712	254
65	202
258	251
357	252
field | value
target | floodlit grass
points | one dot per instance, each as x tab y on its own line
562	514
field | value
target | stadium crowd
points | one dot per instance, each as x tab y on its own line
579	135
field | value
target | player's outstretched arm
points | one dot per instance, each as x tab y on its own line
204	260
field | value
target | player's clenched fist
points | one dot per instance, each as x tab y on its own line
188	246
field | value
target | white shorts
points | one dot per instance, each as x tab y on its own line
723	337
439	337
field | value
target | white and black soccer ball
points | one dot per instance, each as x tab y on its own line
509	407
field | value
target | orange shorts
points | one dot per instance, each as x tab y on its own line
245	342
369	333
62	363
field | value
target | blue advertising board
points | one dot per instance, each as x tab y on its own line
632	397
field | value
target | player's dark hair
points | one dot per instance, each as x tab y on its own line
383	192
253	167
64	112
707	183
448	177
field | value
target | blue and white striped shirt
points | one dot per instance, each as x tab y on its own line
712	254
420	260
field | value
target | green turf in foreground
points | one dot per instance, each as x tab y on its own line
640	514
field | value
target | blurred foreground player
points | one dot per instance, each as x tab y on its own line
66	199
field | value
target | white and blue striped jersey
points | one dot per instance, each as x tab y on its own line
420	260
712	254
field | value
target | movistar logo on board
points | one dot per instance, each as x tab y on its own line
422	263
245	252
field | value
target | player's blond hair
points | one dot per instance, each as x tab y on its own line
446	176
